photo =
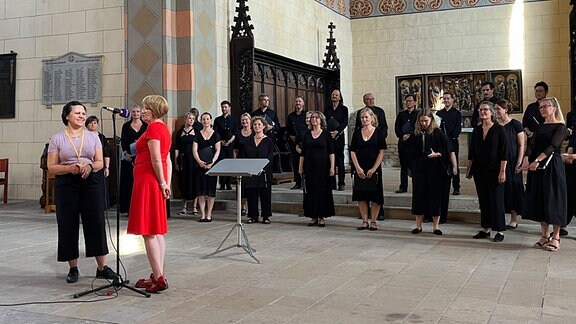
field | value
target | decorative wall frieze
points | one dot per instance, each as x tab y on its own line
354	9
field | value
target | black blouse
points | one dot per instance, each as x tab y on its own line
487	153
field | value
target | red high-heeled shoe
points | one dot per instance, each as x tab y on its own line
145	283
159	285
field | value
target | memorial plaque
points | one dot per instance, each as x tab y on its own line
8	85
72	77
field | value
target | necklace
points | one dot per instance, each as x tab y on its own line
77	151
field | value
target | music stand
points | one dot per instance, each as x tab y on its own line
238	168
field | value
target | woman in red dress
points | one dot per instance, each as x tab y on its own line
152	175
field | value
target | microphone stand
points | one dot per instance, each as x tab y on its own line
118	282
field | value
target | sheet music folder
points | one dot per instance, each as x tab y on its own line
238	167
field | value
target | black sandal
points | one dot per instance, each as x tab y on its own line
313	223
363	227
266	221
251	221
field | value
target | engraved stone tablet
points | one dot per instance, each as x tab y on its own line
72	77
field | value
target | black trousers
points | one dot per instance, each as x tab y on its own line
295	157
265	196
456	177
570	192
226	152
491	199
406	155
76	199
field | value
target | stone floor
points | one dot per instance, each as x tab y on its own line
334	274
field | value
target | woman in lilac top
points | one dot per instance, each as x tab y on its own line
75	157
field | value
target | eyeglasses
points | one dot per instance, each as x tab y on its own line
544	106
483	109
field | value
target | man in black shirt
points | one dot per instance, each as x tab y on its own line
269	114
296	126
452	126
226	126
487	89
532	118
404	129
379	112
337	118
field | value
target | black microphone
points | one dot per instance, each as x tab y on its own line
122	111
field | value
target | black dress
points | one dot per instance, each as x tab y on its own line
514	186
487	155
319	201
428	174
260	187
546	189
186	162
366	154
240	143
128	137
205	185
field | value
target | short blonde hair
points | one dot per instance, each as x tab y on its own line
371	113
156	104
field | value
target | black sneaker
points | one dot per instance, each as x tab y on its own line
499	237
482	234
106	273
73	275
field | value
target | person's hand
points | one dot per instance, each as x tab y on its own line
361	173
569	131
405	137
74	169
525	164
106	172
370	173
468	174
177	166
334	134
332	172
455	170
301	171
533	166
85	170
127	157
528	133
298	149
165	190
568	158
433	154
502	177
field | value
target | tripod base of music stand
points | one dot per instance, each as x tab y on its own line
241	233
117	283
